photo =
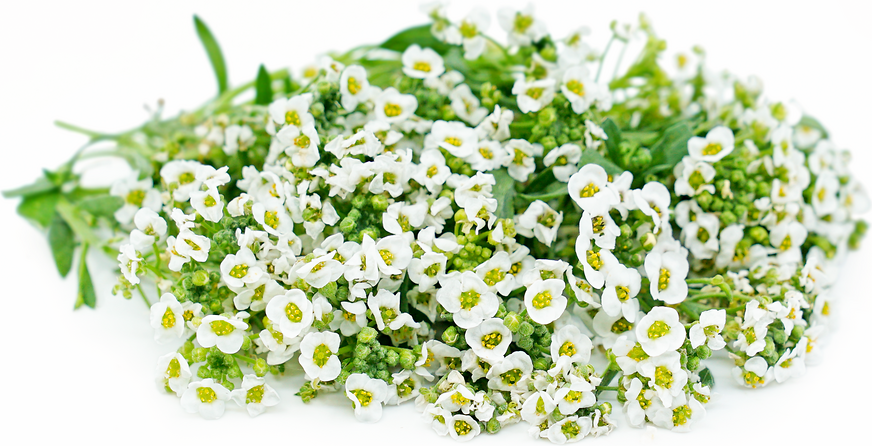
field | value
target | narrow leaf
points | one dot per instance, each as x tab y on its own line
614	140
40	208
62	243
264	92
40	186
86	295
593	157
504	193
214	53
420	35
669	151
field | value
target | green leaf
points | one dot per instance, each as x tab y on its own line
40	208
614	141
593	157
543	180
671	148
813	123
504	193
62	243
420	35
264	92
40	186
86	293
214	53
552	191
101	205
73	217
706	378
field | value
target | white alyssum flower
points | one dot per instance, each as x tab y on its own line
522	26
511	374
354	87
172	372
718	143
587	188
150	226
619	295
129	261
707	331
564	160
226	333
167	319
533	96
318	356
466	105
660	331
422	63
667	272
469	300
539	221
496	125
569	345
367	394
292	111
545	301
522	163
489	340
754	373
137	194
208	204
292	311
393	107
255	395
665	375
240	269
206	397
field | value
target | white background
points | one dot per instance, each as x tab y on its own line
88	375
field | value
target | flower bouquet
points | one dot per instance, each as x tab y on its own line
497	232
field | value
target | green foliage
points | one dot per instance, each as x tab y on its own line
62	243
214	53
263	87
419	35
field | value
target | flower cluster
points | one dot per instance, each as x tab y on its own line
494	233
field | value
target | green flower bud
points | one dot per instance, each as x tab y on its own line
703	352
548	143
324	87
329	290
493	426
542	363
562	139
526	329
692	363
200	278
525	342
407	359
759	234
769	350
260	367
547	116
513	322
641	158
649	241
199	354
366	335
347	225
317	109
392	358
450	335
576	134
732	329
779	336
704	199
246	343
605	408
186	349
204	372
379	202
383	374
728	218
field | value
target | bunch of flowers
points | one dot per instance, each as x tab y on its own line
495	233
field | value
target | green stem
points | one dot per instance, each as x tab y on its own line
244	358
142	293
603	58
